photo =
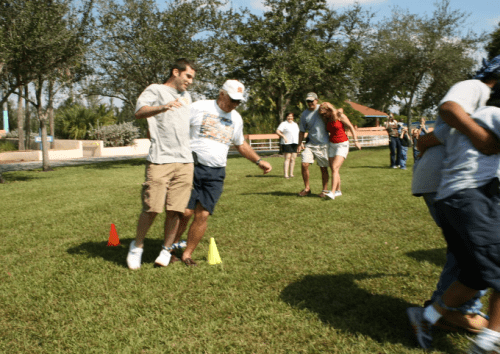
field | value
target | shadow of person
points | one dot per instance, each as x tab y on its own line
436	256
117	254
340	302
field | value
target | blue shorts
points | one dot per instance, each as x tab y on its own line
208	183
470	220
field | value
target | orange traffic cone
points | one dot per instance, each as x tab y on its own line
113	236
213	253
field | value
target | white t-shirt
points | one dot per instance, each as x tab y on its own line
290	131
470	95
212	132
464	166
169	131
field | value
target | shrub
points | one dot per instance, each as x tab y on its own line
15	134
7	146
74	121
116	134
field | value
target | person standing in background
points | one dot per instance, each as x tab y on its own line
288	131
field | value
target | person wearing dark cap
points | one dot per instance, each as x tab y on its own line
316	147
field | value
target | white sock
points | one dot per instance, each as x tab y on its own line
431	314
487	339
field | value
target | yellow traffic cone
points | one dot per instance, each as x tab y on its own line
213	254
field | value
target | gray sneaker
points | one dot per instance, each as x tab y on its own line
421	327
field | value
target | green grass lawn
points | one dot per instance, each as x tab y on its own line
299	275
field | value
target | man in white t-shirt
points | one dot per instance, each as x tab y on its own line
169	171
215	125
455	109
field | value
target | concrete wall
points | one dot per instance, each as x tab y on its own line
95	148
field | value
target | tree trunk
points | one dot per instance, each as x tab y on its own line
45	146
20	120
51	111
27	118
42	117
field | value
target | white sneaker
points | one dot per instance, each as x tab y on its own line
134	256
330	195
338	193
163	259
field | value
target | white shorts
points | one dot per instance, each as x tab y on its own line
338	149
318	152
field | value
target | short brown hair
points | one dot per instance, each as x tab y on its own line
181	65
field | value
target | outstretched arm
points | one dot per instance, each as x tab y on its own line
247	152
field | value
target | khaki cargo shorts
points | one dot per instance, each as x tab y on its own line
318	152
167	187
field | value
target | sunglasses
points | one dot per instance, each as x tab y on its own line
234	101
310	101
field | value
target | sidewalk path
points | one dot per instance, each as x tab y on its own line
33	165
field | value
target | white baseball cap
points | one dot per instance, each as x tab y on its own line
234	89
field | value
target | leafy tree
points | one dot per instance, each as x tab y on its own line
138	42
493	46
55	38
415	59
295	47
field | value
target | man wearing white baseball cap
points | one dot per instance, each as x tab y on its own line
215	125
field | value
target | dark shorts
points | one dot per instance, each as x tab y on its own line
289	148
470	220
208	183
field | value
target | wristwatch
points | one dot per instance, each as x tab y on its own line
258	162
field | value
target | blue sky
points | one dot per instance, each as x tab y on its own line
484	14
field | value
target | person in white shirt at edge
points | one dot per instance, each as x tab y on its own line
288	131
215	125
169	170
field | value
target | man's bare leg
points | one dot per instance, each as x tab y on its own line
145	221
196	230
183	224
172	222
324	177
305	176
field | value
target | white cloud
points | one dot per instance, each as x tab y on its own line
341	3
493	21
259	4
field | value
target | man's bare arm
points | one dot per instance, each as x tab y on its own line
150	111
455	116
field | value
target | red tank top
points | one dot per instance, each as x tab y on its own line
337	132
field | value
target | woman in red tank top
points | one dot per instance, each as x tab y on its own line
336	122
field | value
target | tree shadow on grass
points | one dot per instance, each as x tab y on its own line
264	176
436	256
117	254
105	165
373	167
16	177
339	302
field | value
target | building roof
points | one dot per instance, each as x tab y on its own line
367	111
